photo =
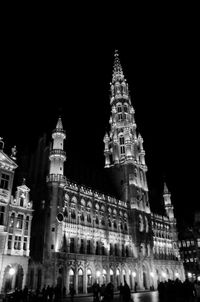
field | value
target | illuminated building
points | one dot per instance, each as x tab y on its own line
15	225
189	244
91	236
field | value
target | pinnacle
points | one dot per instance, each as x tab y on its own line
59	124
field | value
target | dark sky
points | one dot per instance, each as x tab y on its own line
48	69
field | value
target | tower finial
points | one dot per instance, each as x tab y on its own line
13	153
59	124
166	191
117	68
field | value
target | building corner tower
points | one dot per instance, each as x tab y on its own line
55	183
125	158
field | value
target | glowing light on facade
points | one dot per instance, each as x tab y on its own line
11	271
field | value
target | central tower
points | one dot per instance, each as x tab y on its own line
124	152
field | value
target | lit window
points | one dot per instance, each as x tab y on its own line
198	242
4	181
19	223
12	218
17	244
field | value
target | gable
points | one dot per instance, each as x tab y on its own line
6	162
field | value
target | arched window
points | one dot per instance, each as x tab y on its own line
82	217
122	145
71	278
104	276
73	214
80	281
89	278
118	276
111	276
89	218
97	220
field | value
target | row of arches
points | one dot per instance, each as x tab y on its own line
82	276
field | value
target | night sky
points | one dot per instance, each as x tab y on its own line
52	70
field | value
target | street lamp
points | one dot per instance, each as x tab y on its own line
11	271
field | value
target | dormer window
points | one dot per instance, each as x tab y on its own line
4	181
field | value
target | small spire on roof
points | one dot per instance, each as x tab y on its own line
13	153
166	191
1	143
59	124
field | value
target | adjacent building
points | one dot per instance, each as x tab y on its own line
89	236
189	244
15	225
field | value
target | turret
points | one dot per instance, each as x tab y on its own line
57	155
167	202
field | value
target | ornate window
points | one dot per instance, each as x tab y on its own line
19	223
17	244
4	181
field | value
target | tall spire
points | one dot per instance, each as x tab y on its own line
117	68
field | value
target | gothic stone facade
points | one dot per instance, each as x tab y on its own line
93	237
